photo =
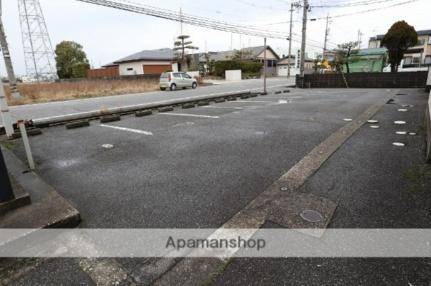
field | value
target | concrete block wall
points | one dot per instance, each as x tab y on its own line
364	80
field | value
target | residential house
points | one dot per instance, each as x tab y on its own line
148	62
419	55
294	62
246	54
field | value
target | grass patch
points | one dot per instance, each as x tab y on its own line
9	145
61	91
419	177
219	271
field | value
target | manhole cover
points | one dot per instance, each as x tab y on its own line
311	216
398	144
107	146
399	122
374	126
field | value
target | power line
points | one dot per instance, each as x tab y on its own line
188	19
352	4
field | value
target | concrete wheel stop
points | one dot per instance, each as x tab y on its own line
46	209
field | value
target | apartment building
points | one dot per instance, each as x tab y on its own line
419	55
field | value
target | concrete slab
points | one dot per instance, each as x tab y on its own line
48	208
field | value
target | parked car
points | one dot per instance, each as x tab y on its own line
175	80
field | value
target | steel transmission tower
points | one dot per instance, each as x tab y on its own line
38	52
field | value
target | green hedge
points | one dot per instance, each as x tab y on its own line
246	67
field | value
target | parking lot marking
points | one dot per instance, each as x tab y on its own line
128	129
223	107
252	101
190	115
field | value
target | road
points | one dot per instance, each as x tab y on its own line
197	168
43	110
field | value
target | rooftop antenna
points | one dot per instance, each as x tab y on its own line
38	52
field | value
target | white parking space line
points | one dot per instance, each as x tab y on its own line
128	129
252	101
223	107
190	115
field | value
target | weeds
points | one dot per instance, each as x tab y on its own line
60	91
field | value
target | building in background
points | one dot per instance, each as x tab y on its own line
368	60
417	56
294	62
255	54
148	62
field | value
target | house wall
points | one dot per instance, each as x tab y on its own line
137	68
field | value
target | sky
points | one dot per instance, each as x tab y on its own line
108	34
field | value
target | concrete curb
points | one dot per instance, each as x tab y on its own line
95	114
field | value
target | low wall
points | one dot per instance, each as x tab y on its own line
429	80
364	80
233	75
428	127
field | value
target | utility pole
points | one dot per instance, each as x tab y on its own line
7	59
325	45
264	66
293	5
359	39
290	40
304	37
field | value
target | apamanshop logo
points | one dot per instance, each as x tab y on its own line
214	243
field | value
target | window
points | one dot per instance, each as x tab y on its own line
186	76
429	40
421	42
427	60
177	75
416	60
129	69
408	60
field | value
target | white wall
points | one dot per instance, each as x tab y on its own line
282	70
138	67
233	75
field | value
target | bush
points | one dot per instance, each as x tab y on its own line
246	67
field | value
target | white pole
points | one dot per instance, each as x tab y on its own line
264	66
5	114
24	136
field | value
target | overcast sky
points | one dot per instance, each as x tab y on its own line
108	34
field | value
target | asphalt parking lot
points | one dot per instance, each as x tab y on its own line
196	168
190	168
